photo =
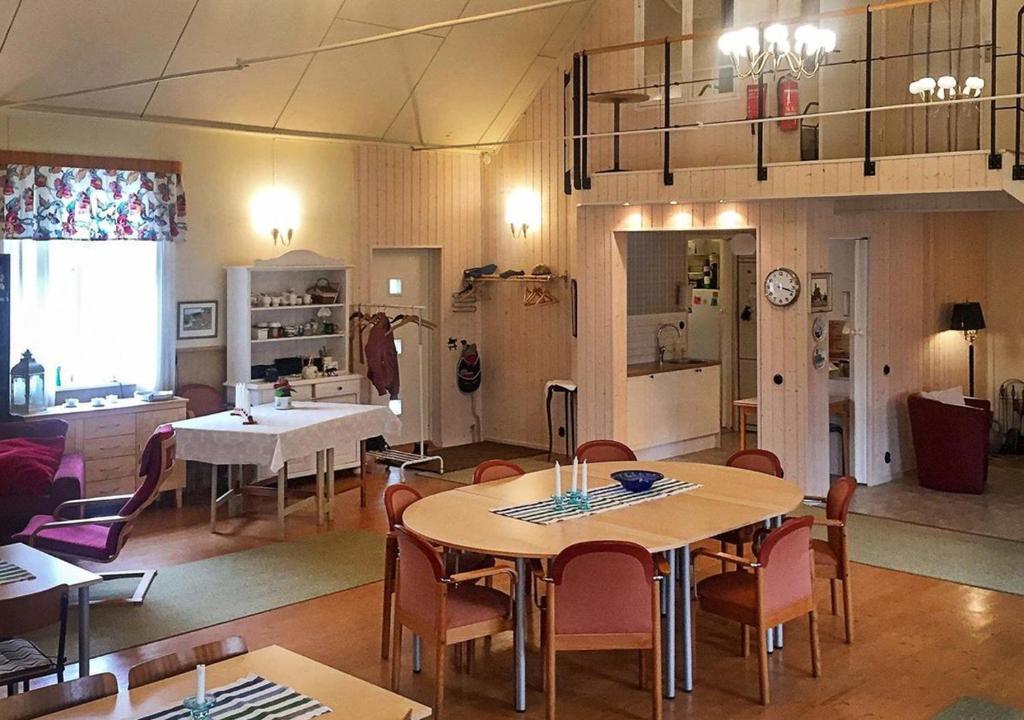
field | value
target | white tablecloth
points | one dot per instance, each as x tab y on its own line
280	435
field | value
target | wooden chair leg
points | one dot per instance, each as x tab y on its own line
848	608
390	553
549	668
744	640
815	649
656	686
442	659
470	656
396	656
725	565
832	590
762	663
641	669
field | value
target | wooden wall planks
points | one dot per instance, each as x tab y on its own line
411	199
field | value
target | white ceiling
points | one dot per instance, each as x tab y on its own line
453	85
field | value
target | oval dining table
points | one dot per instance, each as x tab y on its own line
726	499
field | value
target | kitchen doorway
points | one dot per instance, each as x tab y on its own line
411	276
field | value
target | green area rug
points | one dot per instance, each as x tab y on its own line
968	708
199	594
977	560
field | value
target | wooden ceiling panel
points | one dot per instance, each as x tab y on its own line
358	90
474	74
222	31
58	47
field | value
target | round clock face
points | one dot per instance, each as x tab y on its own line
782	287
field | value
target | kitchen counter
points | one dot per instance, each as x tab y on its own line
653	368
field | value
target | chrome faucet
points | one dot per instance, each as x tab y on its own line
662	349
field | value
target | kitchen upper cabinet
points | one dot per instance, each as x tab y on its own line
672	407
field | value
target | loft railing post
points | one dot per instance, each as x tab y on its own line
869	164
567	173
762	170
585	113
666	143
995	158
1018	169
577	127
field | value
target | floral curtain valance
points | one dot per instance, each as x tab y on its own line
43	202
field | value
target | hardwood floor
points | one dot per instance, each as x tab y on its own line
921	643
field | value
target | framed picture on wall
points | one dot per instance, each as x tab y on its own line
197	319
821	292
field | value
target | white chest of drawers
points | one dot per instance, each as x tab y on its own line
112	438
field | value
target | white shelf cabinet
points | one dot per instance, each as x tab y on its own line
297	270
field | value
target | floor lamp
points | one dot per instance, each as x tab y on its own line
968	319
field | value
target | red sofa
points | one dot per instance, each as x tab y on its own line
68	483
951	443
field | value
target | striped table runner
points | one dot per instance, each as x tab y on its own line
253	698
603	499
9	573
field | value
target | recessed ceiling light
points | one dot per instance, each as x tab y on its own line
673	202
625	204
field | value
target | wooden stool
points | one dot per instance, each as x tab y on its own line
569	388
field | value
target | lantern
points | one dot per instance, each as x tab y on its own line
28	394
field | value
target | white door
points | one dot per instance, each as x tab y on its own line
406	277
746	326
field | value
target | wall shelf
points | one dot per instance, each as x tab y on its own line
311	306
298	337
523	278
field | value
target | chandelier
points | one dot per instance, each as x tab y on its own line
801	59
946	88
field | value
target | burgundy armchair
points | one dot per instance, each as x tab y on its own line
68	483
951	443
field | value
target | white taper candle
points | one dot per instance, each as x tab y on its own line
585	479
200	683
575	474
558	480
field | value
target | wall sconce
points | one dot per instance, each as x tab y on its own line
275	211
522	211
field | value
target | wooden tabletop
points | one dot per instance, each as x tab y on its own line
347	696
49	571
620	97
729	498
834	401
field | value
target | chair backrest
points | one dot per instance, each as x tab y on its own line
604	451
495	470
603	587
762	461
28	613
837	507
202	399
154	467
396	499
185	661
420	570
788	563
50	427
61	696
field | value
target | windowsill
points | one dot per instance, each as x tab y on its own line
84	393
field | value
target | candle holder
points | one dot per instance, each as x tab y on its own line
559	501
583	503
199	710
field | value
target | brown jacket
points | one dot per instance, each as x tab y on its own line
382	358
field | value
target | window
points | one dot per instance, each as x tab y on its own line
398	346
697	62
88	310
394	286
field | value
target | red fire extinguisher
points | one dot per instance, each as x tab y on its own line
753	102
788	92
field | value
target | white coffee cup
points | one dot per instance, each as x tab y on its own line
97	402
71	403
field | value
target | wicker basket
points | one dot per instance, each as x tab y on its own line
323	292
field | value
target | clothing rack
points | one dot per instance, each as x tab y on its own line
390	456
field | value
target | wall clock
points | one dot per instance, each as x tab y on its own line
782	287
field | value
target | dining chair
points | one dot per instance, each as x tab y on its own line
22	660
603	595
762	461
54	698
442	608
101	539
495	470
185	661
396	499
776	587
604	451
832	556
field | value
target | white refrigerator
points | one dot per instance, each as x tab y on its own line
704	336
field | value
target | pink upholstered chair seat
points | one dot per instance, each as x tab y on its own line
733	594
95	542
470	604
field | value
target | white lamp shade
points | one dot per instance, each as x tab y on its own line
915	88
927	84
947	82
729	43
774	34
750	40
805	39
827	40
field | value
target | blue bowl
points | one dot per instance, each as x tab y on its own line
637	480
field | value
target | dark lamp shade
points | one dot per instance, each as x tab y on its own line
967	316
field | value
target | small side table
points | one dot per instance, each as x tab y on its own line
744	407
616	100
568	387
